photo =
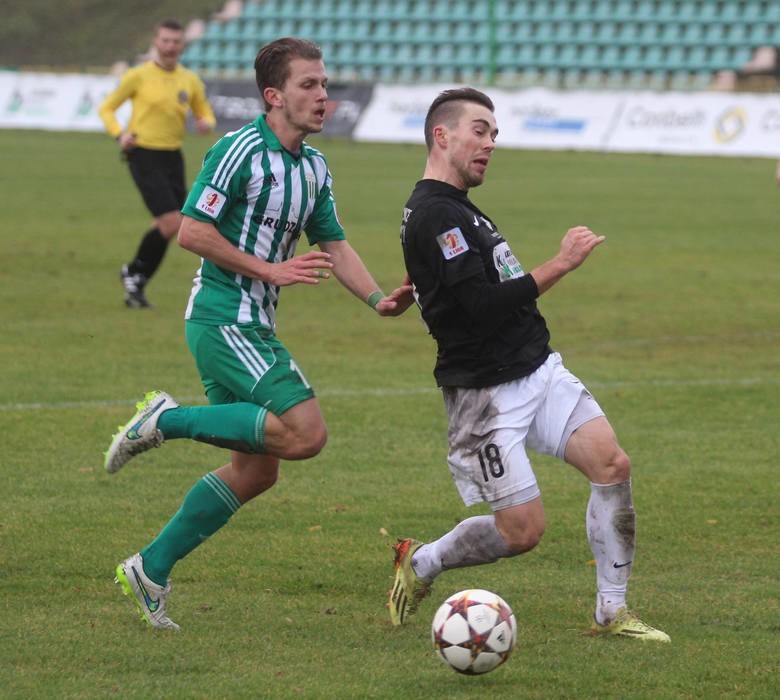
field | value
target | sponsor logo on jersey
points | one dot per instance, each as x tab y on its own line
506	263
210	202
452	243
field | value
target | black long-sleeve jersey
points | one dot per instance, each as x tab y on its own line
477	302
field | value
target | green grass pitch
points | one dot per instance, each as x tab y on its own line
674	323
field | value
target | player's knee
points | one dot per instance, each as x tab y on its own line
613	467
305	445
524	538
618	467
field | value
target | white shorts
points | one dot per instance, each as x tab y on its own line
490	429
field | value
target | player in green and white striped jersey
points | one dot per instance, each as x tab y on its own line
260	196
260	188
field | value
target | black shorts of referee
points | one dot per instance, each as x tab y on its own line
159	177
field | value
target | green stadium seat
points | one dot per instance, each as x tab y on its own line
232	30
708	11
582	11
544	33
589	57
644	10
502	12
697	58
505	32
521	32
671	33
713	33
649	33
546	56
720	58
620	10
607	32
692	33
684	11
732	12
771	13
253	10
737	34
387	31
585	31
654	58
213	30
567	56
626	33
674	58
609	57
632	57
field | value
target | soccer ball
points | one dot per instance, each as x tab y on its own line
474	631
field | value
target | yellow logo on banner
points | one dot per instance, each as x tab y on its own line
730	124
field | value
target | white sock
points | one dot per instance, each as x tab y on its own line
470	543
611	526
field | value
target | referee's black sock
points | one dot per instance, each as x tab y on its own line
150	254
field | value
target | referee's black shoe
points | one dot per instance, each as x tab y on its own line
134	285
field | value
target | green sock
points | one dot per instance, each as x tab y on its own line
206	508
235	426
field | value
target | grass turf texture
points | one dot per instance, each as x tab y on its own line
673	323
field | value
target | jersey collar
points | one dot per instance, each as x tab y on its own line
271	139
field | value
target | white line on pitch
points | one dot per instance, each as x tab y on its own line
410	391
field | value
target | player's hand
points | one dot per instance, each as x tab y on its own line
309	268
577	245
398	301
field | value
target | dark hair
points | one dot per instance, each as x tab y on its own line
272	64
169	23
448	106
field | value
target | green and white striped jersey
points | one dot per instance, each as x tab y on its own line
260	197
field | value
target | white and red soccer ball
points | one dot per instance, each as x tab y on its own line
474	631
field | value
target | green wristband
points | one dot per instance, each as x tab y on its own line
374	298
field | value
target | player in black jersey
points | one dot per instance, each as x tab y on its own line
504	388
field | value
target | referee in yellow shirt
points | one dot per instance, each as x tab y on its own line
160	91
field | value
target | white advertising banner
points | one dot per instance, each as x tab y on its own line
726	124
536	118
62	102
546	119
396	113
701	123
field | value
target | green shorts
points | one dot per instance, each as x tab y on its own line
246	362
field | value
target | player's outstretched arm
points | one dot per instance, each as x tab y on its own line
350	270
